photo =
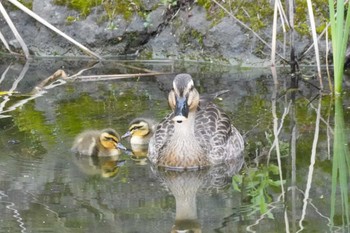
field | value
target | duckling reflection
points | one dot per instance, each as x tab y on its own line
106	167
185	184
140	131
196	134
98	143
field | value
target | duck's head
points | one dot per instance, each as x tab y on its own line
110	140
183	98
138	127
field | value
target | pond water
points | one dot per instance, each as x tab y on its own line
297	181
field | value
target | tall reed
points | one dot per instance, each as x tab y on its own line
340	28
341	168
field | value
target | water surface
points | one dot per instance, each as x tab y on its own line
45	188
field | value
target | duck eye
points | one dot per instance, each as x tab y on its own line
110	139
135	128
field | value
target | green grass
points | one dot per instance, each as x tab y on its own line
340	26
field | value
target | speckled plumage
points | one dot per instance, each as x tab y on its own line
204	138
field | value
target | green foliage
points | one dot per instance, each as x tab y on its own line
340	28
121	7
112	8
341	166
246	11
258	183
83	6
301	16
258	18
284	146
205	3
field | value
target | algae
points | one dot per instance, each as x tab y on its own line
112	8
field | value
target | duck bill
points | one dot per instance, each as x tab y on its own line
127	134
181	110
120	146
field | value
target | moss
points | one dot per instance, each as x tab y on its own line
246	11
112	8
260	17
192	38
320	8
82	6
71	19
27	3
121	7
205	3
146	54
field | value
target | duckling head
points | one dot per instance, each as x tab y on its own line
183	98
138	127
110	140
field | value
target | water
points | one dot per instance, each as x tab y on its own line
45	188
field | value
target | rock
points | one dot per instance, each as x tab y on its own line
151	31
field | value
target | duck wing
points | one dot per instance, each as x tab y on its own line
216	134
164	130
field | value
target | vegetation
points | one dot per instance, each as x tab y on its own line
259	183
83	6
341	167
340	27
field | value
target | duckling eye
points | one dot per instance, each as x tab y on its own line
110	139
135	128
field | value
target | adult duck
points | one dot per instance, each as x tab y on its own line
193	135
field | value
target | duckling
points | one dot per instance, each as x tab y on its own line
98	143
140	131
193	136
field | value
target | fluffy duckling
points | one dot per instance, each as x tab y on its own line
140	131
193	136
98	143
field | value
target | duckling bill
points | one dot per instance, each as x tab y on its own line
98	143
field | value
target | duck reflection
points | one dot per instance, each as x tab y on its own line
185	184
106	167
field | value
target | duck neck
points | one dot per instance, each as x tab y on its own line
185	129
